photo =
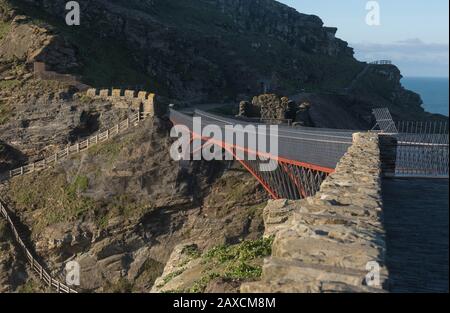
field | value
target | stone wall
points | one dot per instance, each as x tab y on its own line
269	107
124	99
324	243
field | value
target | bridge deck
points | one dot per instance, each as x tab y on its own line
321	148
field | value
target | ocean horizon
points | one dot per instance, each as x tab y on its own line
433	90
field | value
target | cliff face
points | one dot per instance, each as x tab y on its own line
191	50
274	19
121	208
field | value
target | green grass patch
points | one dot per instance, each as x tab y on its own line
56	200
9	84
201	284
245	251
241	262
171	276
191	251
4	29
80	185
5	112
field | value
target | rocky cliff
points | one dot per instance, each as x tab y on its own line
120	209
184	49
196	51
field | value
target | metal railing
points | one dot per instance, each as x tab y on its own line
381	62
385	121
422	149
43	274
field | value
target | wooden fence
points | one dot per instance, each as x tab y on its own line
35	265
79	147
48	162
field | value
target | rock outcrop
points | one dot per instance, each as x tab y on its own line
232	49
326	243
121	207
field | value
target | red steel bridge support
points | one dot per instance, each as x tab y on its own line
290	180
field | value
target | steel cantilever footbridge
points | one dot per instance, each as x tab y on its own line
305	156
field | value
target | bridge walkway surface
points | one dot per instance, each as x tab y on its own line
416	215
318	147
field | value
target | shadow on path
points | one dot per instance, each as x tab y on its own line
417	234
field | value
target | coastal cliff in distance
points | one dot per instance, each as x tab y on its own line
203	50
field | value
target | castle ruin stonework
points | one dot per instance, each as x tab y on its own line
143	101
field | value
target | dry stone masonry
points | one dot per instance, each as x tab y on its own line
324	243
269	107
123	99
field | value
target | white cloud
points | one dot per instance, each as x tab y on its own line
413	56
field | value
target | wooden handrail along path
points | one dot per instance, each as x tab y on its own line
47	163
35	265
79	147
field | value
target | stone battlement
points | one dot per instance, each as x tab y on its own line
330	242
124	98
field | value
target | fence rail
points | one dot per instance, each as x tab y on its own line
422	149
43	274
79	147
48	162
381	62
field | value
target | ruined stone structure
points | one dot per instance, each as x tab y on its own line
124	99
330	242
271	107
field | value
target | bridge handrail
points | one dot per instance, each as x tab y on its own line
323	152
345	134
43	274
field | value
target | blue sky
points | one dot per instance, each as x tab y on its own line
412	33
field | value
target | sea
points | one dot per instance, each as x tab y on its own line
433	90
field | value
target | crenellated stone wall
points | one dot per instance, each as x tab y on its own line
124	99
326	243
